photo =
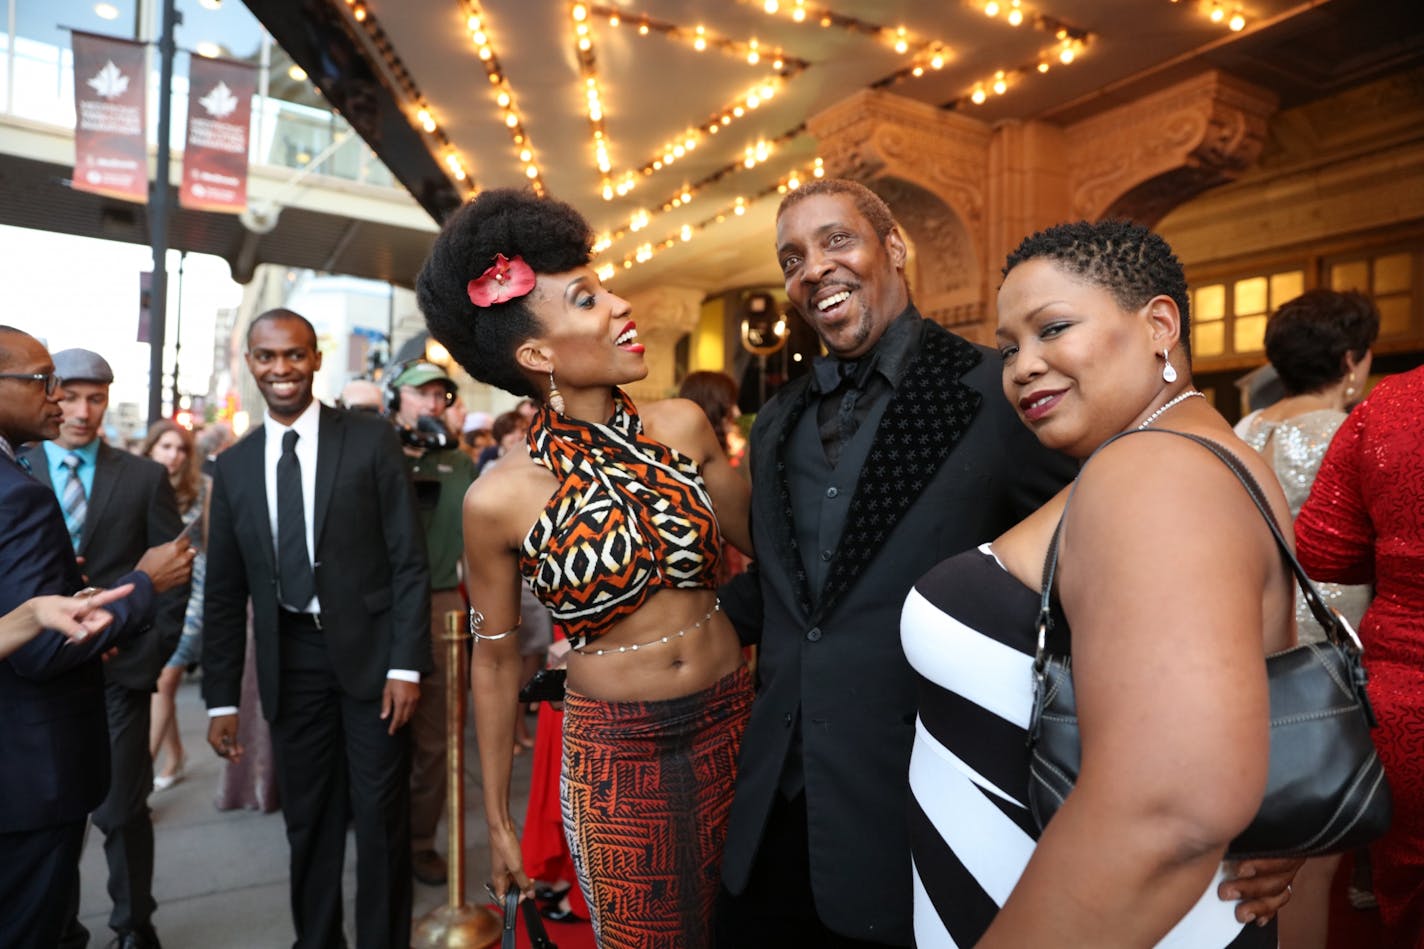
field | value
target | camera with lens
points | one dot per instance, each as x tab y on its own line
428	433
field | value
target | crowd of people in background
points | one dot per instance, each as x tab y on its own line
783	671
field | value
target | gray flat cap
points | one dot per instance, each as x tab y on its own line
81	365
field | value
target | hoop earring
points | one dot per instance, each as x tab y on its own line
556	398
1169	371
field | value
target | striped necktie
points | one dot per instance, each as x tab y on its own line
72	499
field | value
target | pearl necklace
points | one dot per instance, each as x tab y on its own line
1181	397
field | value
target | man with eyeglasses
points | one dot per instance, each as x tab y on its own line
55	738
116	505
50	380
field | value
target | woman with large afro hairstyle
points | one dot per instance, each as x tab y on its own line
614	516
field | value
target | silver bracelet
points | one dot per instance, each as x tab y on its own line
477	622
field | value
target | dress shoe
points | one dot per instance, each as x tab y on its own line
560	914
548	894
135	939
428	867
162	782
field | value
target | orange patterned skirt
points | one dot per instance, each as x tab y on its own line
646	789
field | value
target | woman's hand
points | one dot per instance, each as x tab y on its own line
1262	886
507	862
80	616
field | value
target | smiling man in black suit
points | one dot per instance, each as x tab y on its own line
898	451
314	521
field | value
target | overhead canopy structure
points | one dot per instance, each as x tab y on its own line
673	125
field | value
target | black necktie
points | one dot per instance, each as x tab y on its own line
294	569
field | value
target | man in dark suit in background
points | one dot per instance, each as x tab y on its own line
54	741
897	452
116	505
314	520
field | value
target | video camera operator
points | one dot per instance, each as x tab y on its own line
417	394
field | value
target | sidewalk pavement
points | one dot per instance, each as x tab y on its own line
220	877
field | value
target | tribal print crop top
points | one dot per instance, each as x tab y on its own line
630	515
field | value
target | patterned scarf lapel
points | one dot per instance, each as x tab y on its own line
565	445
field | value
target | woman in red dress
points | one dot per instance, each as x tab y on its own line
1364	523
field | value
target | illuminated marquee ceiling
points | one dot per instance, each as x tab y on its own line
613	106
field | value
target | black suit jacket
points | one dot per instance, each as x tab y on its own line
131	508
950	467
372	576
54	734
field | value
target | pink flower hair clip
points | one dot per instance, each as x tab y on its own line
505	280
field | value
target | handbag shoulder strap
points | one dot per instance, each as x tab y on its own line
1330	620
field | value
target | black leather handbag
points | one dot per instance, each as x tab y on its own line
1326	789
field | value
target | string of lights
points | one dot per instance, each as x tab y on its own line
1068	45
478	25
753	155
1216	13
700	39
421	112
934	55
649	249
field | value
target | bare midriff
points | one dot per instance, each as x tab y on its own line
656	670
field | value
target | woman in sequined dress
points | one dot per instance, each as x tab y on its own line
1363	523
1319	345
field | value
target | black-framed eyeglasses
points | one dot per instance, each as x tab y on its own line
50	380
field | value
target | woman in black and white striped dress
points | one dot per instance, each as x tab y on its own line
1174	592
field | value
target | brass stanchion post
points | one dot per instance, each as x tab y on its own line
456	924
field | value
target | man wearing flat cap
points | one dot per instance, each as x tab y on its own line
116	505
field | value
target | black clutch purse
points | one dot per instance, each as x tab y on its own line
546	685
1326	789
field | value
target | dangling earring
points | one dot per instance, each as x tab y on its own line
556	398
1169	371
1350	389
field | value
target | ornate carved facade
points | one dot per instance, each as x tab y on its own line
664	316
1143	159
965	193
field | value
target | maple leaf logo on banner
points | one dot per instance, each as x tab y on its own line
220	103
110	83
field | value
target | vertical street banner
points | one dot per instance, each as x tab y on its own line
110	129
219	117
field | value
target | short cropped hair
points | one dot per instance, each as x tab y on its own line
1126	259
1308	337
870	205
551	237
281	313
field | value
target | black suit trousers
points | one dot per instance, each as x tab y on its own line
37	876
337	763
777	908
124	817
